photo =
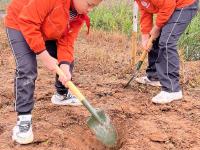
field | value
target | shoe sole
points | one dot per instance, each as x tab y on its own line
65	104
148	84
167	102
23	141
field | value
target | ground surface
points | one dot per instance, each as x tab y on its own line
101	70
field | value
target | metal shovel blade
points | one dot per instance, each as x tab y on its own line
104	130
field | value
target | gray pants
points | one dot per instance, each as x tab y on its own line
26	70
163	58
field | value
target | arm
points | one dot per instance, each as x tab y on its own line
146	21
30	21
166	9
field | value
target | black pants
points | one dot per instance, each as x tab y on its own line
52	49
26	70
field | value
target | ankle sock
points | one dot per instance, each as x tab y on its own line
24	113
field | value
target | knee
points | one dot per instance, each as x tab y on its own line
167	43
28	71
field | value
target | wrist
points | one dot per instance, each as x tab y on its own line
145	36
65	67
43	53
38	53
157	27
64	62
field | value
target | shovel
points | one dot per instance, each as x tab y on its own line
140	62
98	122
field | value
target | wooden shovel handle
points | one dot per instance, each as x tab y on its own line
149	46
75	91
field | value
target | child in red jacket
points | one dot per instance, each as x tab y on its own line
45	29
173	16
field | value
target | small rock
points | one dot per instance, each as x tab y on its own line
158	137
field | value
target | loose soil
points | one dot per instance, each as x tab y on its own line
101	70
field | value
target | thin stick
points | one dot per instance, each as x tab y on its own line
134	34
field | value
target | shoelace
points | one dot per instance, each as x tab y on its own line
67	96
24	126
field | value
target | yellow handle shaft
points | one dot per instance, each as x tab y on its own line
142	57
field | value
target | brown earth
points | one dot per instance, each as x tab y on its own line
101	70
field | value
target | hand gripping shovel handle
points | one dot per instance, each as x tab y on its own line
71	86
78	94
145	51
141	60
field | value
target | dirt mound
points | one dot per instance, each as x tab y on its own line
101	70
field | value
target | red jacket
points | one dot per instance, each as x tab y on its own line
41	20
163	8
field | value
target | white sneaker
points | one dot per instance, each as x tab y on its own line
166	97
145	80
22	132
66	99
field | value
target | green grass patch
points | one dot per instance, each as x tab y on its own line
190	40
113	17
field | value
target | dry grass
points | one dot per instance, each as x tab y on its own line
3	5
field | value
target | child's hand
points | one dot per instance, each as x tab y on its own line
145	39
48	61
155	32
66	69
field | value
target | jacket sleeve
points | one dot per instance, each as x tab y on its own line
65	45
146	21
166	9
30	21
